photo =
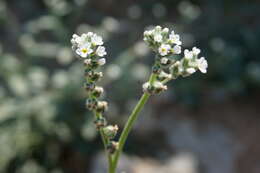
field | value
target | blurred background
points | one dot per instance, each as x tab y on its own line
202	124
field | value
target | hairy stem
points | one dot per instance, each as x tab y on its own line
129	124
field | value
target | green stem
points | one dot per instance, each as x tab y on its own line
166	80
105	142
130	122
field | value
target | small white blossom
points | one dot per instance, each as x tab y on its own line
74	38
146	86
159	85
174	38
165	75
102	61
96	40
164	49
101	51
84	50
164	60
158	28
87	61
99	89
148	33
202	65
177	49
195	51
77	40
165	30
188	54
191	70
89	34
157	37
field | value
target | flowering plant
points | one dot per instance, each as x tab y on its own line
166	67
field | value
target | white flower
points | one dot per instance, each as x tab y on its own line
87	61
146	86
159	85
202	65
190	70
74	38
157	37
90	34
164	49
188	54
78	40
177	49
101	51
195	51
165	75
174	38
158	28
84	50
148	33
101	61
96	40
164	60
165	30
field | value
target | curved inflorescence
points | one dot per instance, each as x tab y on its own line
89	48
167	66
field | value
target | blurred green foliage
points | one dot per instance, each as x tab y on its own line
43	124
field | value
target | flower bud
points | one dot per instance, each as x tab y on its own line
101	61
174	69
100	122
94	76
97	91
87	62
112	146
146	87
165	30
158	28
156	88
89	86
110	131
156	69
165	62
94	64
190	70
162	76
101	106
91	103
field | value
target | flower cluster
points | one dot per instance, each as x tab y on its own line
162	42
89	46
167	45
189	64
90	50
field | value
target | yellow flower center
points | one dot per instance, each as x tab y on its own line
84	50
164	50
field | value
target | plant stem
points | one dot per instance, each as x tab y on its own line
105	142
130	122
